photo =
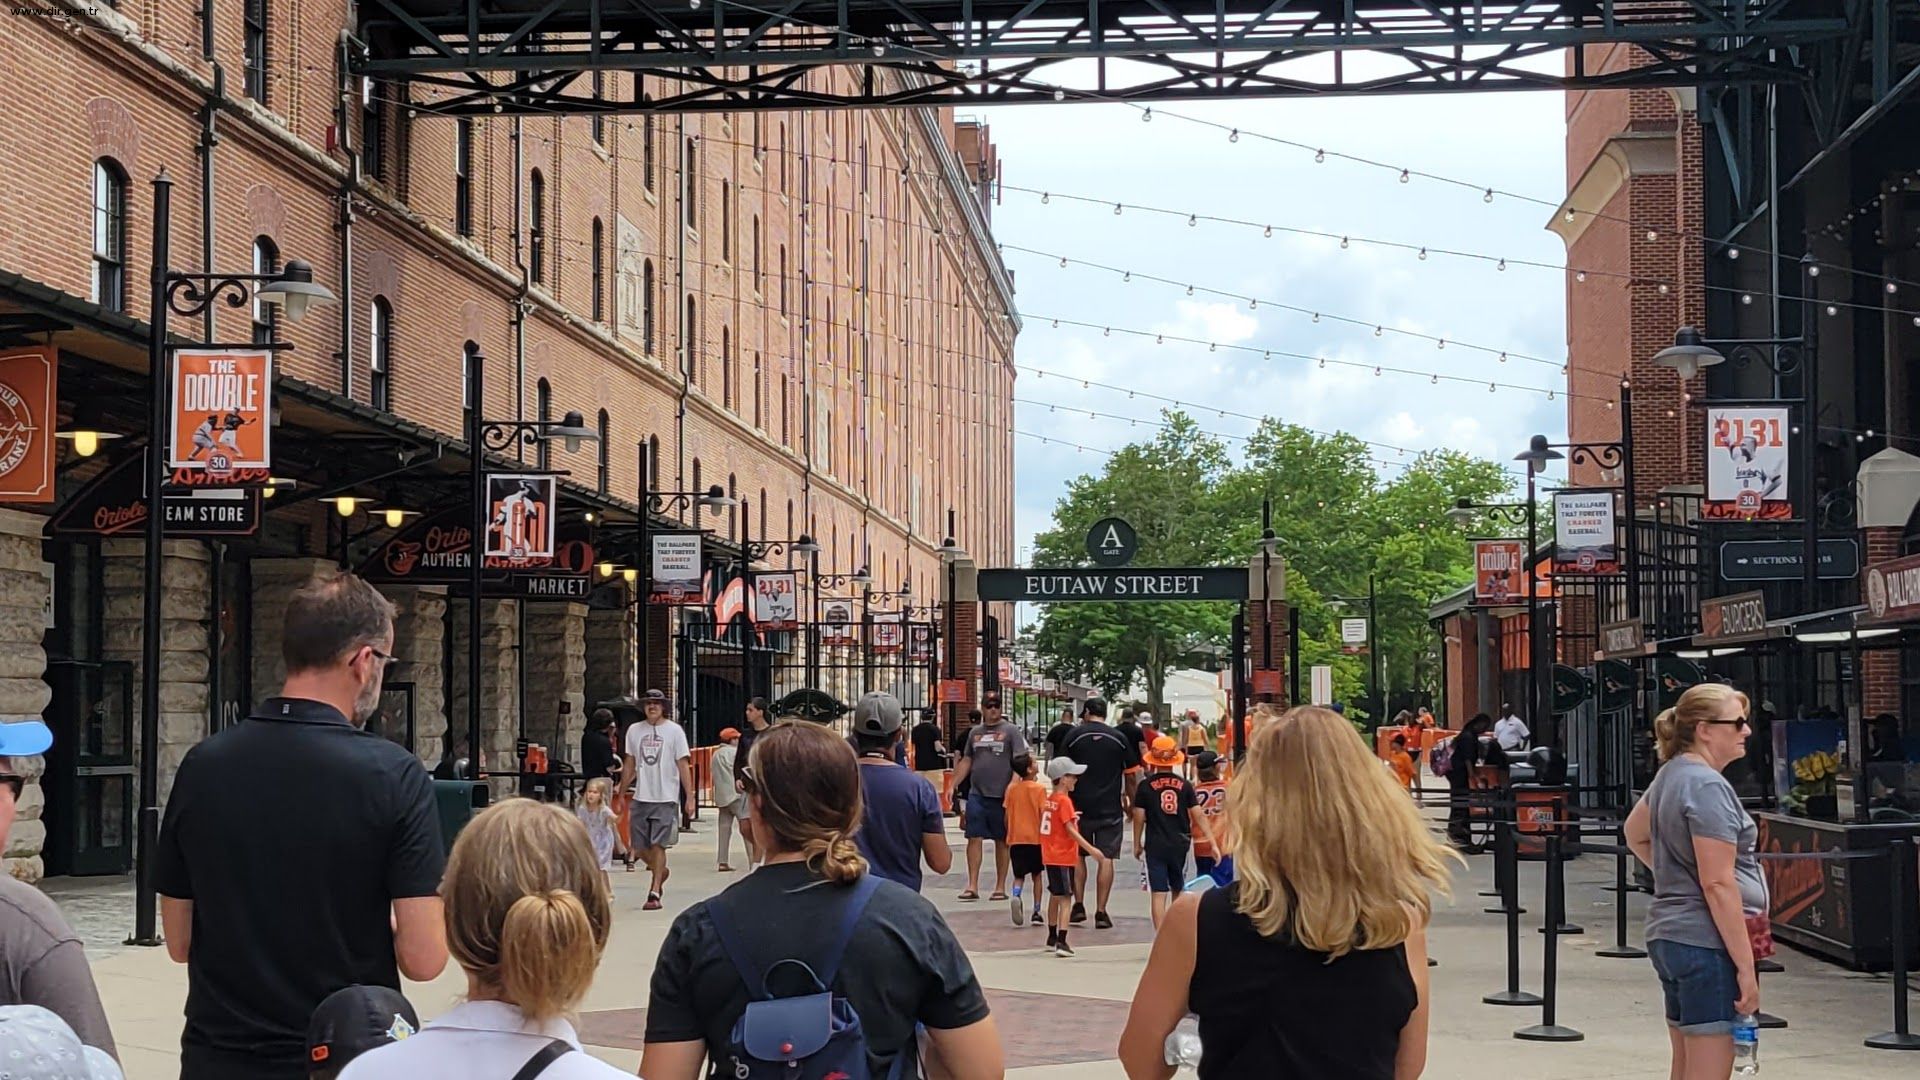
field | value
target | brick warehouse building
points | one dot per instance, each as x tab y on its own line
793	307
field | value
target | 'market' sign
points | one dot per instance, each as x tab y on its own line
1132	583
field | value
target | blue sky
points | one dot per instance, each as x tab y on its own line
1509	141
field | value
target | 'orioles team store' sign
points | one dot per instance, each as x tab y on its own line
222	422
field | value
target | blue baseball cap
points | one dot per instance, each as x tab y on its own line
25	739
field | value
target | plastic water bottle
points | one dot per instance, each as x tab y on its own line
1746	1045
1182	1048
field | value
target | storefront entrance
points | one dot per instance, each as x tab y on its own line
89	777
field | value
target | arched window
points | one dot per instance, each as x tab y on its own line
726	366
380	355
646	306
759	393
763	504
786	432
543	412
463	176
603	452
109	235
599	263
783	155
690	343
266	260
467	352
537	227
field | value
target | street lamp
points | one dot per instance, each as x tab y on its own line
187	295
651	502
484	436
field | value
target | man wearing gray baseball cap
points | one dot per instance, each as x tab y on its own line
901	819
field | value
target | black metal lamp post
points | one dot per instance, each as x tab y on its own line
484	437
1466	511
1376	693
752	551
651	502
871	596
186	295
951	553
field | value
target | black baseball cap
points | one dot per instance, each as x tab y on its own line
1094	706
1205	759
354	1020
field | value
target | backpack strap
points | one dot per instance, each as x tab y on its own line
754	975
855	905
542	1058
750	973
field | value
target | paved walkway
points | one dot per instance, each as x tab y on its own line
1061	1018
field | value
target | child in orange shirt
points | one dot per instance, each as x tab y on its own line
1060	848
1402	762
1026	804
1211	795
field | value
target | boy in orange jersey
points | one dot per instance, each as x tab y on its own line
1026	804
1404	769
1060	848
1211	796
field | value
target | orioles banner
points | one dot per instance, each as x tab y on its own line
27	422
222	424
519	520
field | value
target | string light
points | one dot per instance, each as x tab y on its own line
1404	176
1488	197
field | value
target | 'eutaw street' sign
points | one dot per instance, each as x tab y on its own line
1131	583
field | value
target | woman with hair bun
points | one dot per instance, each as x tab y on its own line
528	912
1709	898
901	968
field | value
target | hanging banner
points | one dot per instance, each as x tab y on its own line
776	600
675	574
1585	538
1499	571
920	641
890	636
221	411
435	549
520	520
1353	636
836	623
115	502
1747	455
28	416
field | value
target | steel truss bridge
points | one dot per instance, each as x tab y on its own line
545	56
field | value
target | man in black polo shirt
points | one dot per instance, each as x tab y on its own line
300	853
1100	798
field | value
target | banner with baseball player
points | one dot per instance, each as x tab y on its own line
1499	572
222	418
1747	456
520	520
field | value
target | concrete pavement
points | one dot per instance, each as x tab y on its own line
1061	1018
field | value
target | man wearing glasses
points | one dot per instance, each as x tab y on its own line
300	853
41	959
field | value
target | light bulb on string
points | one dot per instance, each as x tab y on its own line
1814	270
1832	310
1488	197
1663	289
1269	232
1376	372
1503	358
1147	116
1404	176
1436	380
1733	252
1580	275
1892	288
1549	395
1116	209
1502	265
1491	388
1106	331
1252	304
1189	290
1234	135
1045	198
1423	253
1063	262
1127	277
1059	95
1569	213
1316	316
1378	330
1746	299
1343	243
1323	363
1192	220
1652	235
1319	157
1159	339
1441	344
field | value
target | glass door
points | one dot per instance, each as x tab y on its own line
89	778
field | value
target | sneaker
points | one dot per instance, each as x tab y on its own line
1019	912
1101	921
1037	919
1053	938
1079	914
1061	948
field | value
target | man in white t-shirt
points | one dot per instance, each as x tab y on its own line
1511	731
657	770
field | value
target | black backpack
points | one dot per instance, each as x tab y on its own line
810	1036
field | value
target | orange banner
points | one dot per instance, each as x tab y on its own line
1499	571
222	422
27	421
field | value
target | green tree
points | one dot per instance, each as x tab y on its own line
1167	489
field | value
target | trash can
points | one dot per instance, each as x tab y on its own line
1536	808
457	801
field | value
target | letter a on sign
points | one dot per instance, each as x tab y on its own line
1112	542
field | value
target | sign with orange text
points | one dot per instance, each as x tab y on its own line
1747	455
1499	571
27	422
520	531
222	418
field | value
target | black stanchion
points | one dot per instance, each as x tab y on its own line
1620	950
1547	1030
1495	890
1899	861
1558	869
1506	869
1506	858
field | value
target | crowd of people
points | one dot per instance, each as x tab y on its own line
1301	952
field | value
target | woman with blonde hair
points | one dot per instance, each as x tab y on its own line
1314	961
528	912
1709	898
811	920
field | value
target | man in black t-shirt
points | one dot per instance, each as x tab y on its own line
930	751
1057	735
1101	802
273	911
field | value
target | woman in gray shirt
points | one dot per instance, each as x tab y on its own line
1691	831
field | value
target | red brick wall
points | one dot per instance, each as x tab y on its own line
1275	622
1880	668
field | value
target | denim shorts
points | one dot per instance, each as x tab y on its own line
986	818
1700	986
1167	871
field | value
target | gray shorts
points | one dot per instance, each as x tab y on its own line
653	824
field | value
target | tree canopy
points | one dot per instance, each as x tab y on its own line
1338	520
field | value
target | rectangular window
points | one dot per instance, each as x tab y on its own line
463	176
373	131
109	236
690	185
599	95
254	16
380	357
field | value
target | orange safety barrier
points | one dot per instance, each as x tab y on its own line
703	774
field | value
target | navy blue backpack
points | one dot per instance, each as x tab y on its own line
810	1036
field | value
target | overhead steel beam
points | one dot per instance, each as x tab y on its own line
516	55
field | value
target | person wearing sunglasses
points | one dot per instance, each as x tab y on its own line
1709	907
300	853
41	958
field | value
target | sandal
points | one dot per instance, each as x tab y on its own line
653	902
969	895
724	868
998	897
